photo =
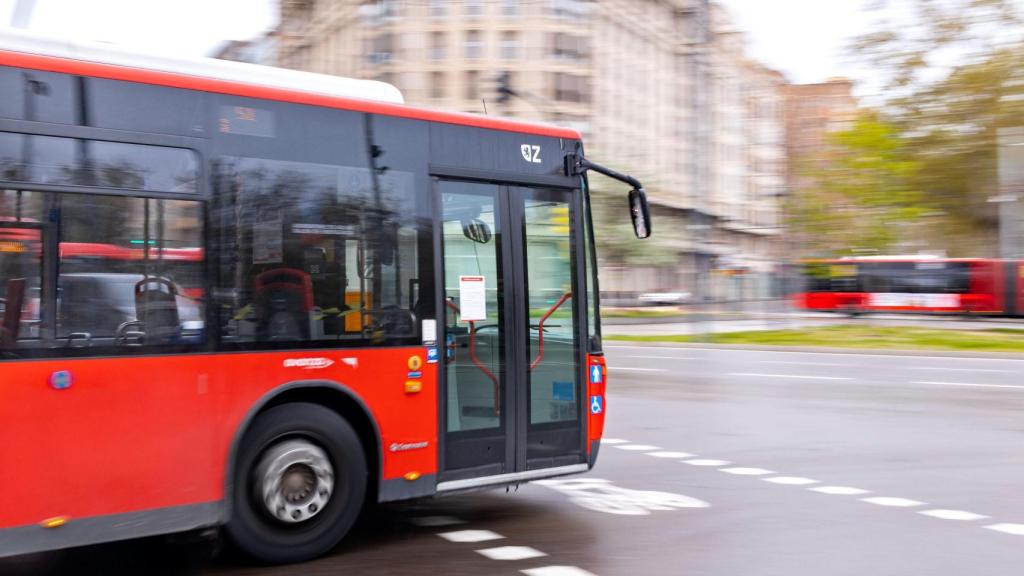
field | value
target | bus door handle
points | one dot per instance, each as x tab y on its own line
476	361
85	339
540	329
130	334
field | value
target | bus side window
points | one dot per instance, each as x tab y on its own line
312	253
130	272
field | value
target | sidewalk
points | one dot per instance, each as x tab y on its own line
721	321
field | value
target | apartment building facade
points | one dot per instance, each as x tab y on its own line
623	72
813	111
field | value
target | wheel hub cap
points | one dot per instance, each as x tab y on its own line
294	480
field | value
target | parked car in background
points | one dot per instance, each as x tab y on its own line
664	298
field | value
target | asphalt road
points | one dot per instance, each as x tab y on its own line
747	320
718	462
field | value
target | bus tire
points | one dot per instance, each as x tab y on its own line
299	484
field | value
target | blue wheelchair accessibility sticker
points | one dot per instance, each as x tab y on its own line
432	355
596	404
595	374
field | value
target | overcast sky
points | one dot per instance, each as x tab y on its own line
802	38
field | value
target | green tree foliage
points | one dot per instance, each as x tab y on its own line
952	72
861	194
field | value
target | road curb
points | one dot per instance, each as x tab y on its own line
820	349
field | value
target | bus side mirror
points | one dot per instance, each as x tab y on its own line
476	230
640	212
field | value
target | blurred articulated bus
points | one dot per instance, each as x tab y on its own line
908	284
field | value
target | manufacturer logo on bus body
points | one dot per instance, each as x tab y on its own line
531	153
403	446
308	363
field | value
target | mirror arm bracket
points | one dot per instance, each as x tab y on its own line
577	165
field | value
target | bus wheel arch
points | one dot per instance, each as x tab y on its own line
334	397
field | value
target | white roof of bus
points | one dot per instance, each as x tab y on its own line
14	40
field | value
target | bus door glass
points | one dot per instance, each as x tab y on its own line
475	346
549	256
512	384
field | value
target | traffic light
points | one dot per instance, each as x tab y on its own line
504	88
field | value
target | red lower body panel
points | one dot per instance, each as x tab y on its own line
139	433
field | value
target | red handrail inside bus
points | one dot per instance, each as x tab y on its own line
540	329
476	361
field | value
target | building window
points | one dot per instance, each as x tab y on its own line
437	84
509	7
570	88
509	45
389	8
438	8
569	9
472	88
568	47
437	46
381	49
474	46
473	7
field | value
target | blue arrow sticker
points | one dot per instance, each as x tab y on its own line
596	404
595	374
60	380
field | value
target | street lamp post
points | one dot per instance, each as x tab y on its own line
1011	188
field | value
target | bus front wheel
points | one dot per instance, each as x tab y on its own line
299	484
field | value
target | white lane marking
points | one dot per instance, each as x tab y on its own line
799	363
796	352
635	447
747	471
613	441
892	502
940	369
666	357
1015	529
470	536
602	496
638	369
953	514
840	490
794	376
969	384
707	462
436	521
556	571
790	480
665	454
511	553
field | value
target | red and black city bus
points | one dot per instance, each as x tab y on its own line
914	284
386	302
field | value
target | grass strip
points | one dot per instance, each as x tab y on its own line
867	337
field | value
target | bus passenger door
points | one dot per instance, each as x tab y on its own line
546	260
512	393
478	430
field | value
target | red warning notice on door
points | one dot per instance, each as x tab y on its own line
472	298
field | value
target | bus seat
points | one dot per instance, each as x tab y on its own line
156	306
284	299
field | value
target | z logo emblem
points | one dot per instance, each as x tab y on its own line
530	153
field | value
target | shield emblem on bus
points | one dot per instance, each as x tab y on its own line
527	152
